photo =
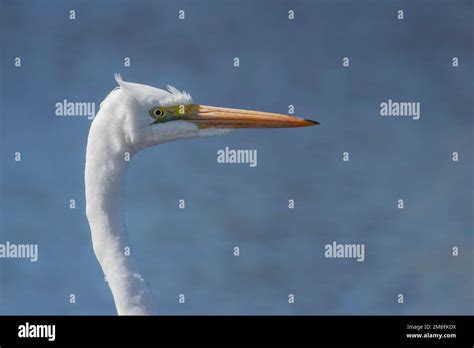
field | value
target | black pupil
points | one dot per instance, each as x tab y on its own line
158	112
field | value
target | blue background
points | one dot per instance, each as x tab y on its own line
282	62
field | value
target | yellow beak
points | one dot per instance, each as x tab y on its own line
216	117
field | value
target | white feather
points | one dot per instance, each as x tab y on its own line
122	126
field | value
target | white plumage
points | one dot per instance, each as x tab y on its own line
123	126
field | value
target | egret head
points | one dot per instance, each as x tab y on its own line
146	116
133	117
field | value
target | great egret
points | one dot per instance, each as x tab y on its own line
132	117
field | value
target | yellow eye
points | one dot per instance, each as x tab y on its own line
158	113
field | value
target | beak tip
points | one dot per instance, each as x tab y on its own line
312	123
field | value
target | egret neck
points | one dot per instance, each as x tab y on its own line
104	176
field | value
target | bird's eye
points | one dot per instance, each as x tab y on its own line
158	113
